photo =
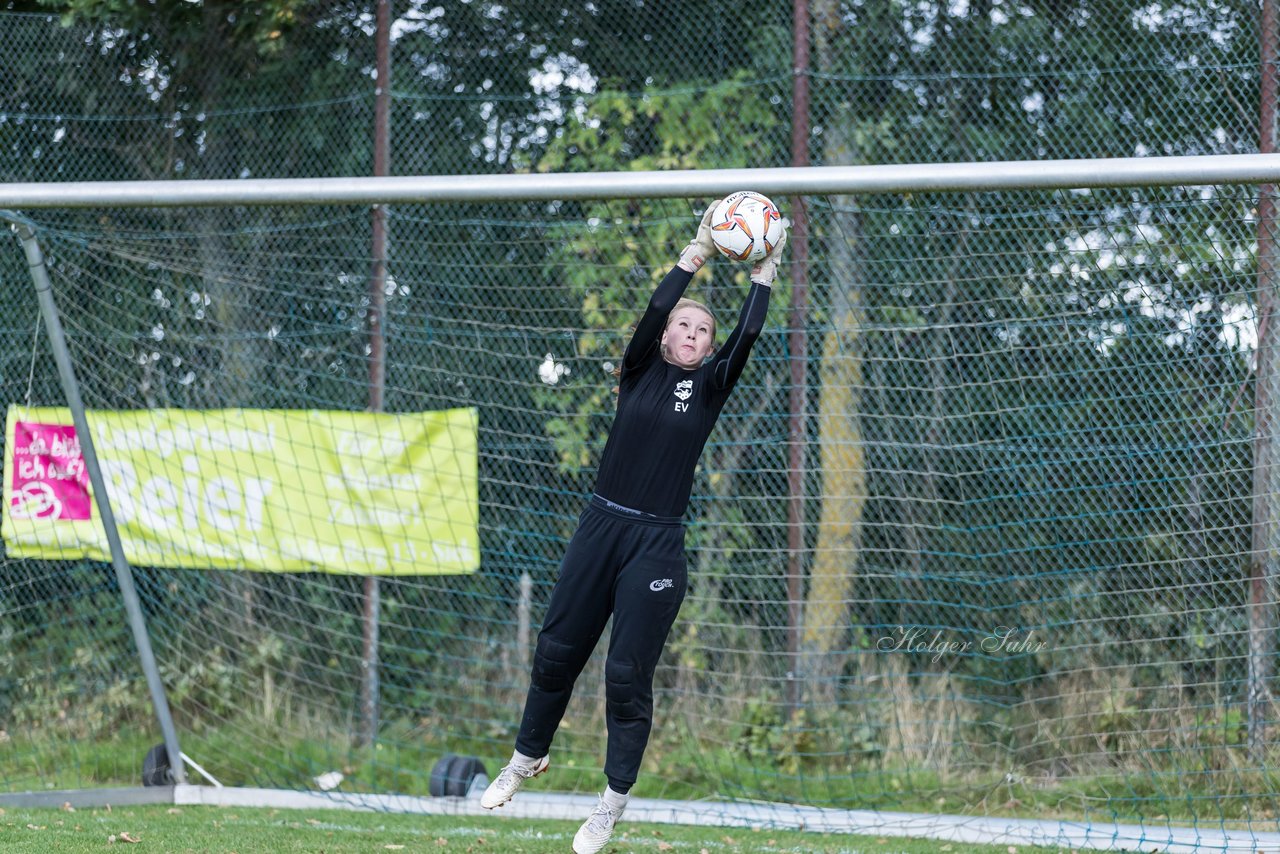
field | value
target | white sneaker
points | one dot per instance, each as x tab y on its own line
597	830
509	780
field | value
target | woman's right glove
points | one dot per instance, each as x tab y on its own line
702	248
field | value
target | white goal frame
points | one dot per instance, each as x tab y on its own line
1246	169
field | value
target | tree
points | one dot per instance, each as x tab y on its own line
933	278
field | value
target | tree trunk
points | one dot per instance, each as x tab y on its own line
842	462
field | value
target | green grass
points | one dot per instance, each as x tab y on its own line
245	831
242	755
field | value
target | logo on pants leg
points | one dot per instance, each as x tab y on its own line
660	584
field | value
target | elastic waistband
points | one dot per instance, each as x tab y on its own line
613	508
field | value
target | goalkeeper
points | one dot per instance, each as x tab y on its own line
627	558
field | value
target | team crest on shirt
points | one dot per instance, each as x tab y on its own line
684	389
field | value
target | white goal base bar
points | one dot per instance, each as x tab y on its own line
990	830
949	828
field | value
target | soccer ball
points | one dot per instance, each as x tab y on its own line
746	226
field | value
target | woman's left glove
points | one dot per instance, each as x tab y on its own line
764	272
702	248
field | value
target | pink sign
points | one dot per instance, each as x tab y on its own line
49	480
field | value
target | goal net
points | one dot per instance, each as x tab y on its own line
986	529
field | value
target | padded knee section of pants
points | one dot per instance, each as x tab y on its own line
622	689
552	669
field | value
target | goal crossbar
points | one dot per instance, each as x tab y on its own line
846	180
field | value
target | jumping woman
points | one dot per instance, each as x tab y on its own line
627	558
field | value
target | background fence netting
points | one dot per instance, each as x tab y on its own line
1037	510
1028	493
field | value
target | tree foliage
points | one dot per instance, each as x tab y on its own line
1019	357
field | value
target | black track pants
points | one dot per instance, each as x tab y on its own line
633	569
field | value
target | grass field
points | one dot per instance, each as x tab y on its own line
247	831
1185	795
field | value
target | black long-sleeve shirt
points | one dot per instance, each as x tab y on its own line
665	413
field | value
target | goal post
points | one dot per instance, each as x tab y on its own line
124	573
1039	505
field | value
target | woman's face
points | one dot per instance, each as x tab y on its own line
687	340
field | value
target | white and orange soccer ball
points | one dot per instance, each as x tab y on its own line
746	226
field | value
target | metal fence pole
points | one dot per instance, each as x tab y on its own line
798	347
124	573
369	699
1262	563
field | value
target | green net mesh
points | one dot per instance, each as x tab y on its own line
1029	430
1028	475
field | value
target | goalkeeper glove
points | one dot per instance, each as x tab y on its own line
764	272
702	248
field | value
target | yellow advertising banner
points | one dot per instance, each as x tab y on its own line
265	490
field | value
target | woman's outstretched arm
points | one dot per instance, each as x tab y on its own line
732	358
644	341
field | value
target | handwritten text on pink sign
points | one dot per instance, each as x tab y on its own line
49	479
